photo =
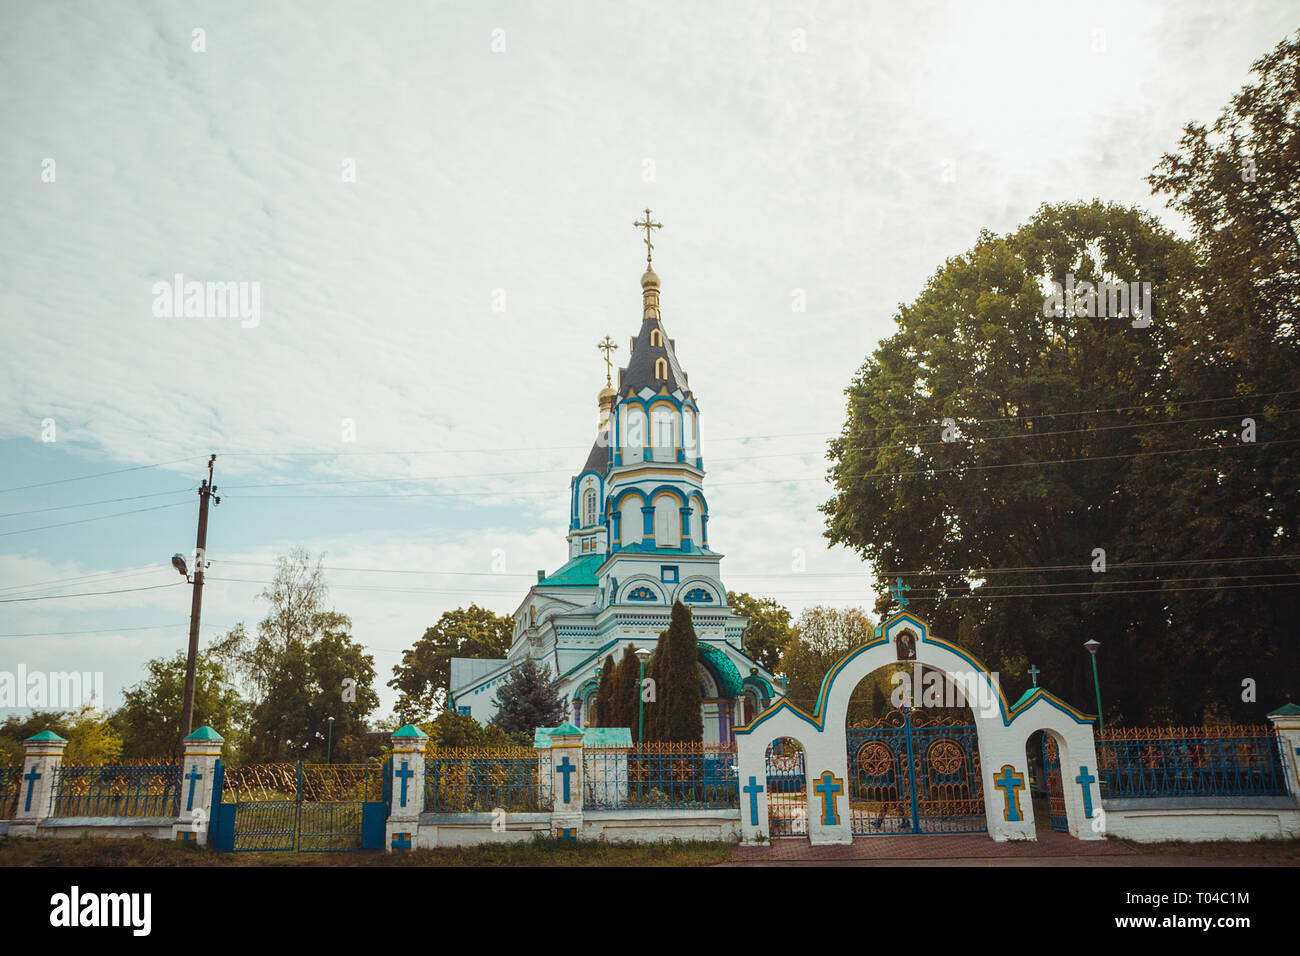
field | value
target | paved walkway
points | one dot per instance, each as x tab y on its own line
936	847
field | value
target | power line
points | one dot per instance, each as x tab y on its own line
4	534
101	630
102	474
52	597
104	501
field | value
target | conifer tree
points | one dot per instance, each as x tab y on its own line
606	705
528	699
680	699
627	690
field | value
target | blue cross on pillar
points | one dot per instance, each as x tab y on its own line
193	777
404	775
566	767
1086	780
829	786
401	842
31	777
897	590
1011	783
753	788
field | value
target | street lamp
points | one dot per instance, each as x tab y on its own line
329	745
641	655
1092	646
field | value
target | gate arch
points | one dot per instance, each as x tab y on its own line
1001	728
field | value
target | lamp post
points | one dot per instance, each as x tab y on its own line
329	745
641	655
1092	646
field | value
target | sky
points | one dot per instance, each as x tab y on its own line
435	206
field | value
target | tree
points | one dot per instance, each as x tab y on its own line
303	668
768	630
627	691
528	699
451	730
149	719
678	686
330	677
91	737
968	445
821	636
1238	184
605	703
423	676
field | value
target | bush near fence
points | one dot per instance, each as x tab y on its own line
1239	760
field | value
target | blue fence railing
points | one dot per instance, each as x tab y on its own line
661	776
483	779
117	790
1189	761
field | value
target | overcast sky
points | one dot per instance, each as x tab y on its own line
449	300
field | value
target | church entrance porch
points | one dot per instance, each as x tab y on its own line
911	772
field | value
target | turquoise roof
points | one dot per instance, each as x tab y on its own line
1024	697
410	730
1286	710
591	736
577	573
720	666
46	735
205	733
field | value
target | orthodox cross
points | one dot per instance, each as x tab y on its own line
647	226
607	346
404	775
897	590
1033	674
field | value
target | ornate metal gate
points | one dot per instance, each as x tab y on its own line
285	807
1055	787
787	790
910	772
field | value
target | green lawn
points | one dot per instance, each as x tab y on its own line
142	851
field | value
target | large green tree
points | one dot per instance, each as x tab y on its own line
303	668
970	445
148	721
1237	183
423	676
90	734
769	627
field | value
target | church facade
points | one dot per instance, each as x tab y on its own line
638	541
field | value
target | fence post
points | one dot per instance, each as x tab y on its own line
41	762
1286	721
403	828
198	771
566	781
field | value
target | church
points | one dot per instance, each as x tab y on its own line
638	542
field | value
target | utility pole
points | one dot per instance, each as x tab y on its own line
206	492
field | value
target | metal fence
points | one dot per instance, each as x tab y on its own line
117	790
1189	761
661	776
302	782
485	779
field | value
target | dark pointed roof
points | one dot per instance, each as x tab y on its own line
640	370
598	460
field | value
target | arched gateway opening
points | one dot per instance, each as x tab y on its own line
949	756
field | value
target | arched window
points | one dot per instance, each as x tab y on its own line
663	432
690	434
661	369
668	522
633	434
589	508
630	524
656	337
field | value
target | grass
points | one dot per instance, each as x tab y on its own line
1268	850
146	852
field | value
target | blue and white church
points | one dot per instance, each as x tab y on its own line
638	542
